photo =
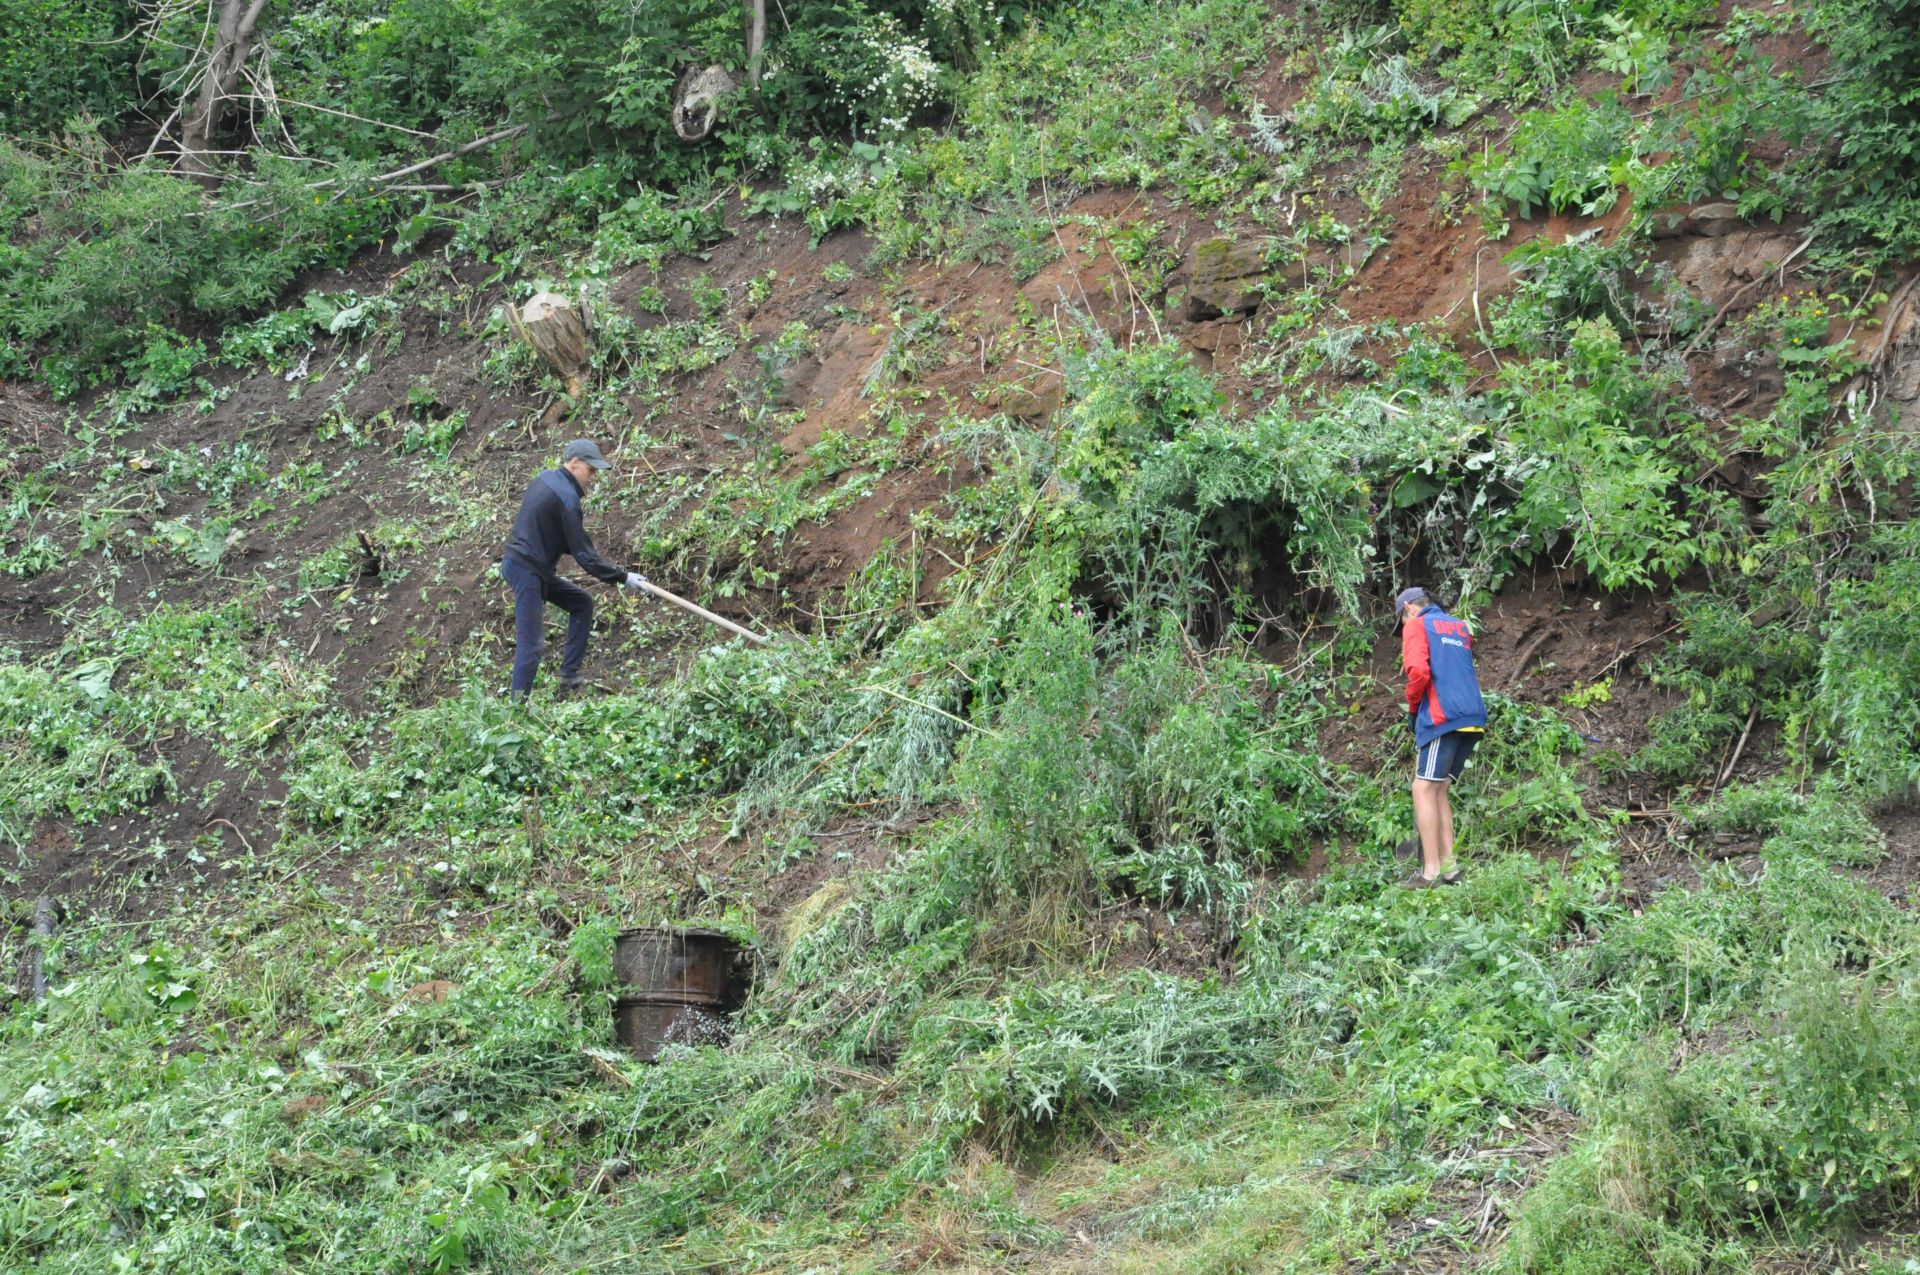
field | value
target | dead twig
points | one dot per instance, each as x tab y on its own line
1617	660
1527	653
236	831
1738	748
389	180
607	1071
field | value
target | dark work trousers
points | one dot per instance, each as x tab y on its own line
530	597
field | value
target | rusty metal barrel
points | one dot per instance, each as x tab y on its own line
682	986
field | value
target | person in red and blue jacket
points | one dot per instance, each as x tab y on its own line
1448	716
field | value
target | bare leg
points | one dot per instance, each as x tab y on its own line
1431	819
1445	798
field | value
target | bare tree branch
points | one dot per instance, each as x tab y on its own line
349	115
499	135
391	181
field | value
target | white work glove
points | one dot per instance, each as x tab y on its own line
635	580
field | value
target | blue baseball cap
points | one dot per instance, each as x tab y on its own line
583	449
1406	598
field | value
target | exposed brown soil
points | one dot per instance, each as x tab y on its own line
1897	875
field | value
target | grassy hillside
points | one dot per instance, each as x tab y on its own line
1070	412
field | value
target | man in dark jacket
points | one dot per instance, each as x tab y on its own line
1448	717
549	525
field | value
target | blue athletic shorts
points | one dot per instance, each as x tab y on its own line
1445	756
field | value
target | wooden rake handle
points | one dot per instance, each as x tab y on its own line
658	592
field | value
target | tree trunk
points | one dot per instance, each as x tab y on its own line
552	325
756	40
233	41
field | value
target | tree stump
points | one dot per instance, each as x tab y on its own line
553	326
696	104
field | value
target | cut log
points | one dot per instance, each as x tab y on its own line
42	935
696	104
552	325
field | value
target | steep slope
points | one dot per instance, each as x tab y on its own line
1072	452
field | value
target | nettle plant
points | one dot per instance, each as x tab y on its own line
1367	88
1610	482
1566	160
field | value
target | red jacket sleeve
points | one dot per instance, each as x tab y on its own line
1418	661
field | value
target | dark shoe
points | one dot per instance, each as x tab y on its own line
1417	881
1449	878
571	686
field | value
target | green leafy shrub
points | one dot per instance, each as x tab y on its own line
1450	1000
1569	452
62	755
1566	160
35	555
1865	186
1521	791
1134	774
267	339
1608	484
64	58
162	371
109	250
1867	691
434	437
1727	666
1828	823
1666	1169
1563	284
97	247
1526	47
472	757
1699	957
1236	482
1036	1059
1128	402
1684	1162
1037	780
125	684
1847	1105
